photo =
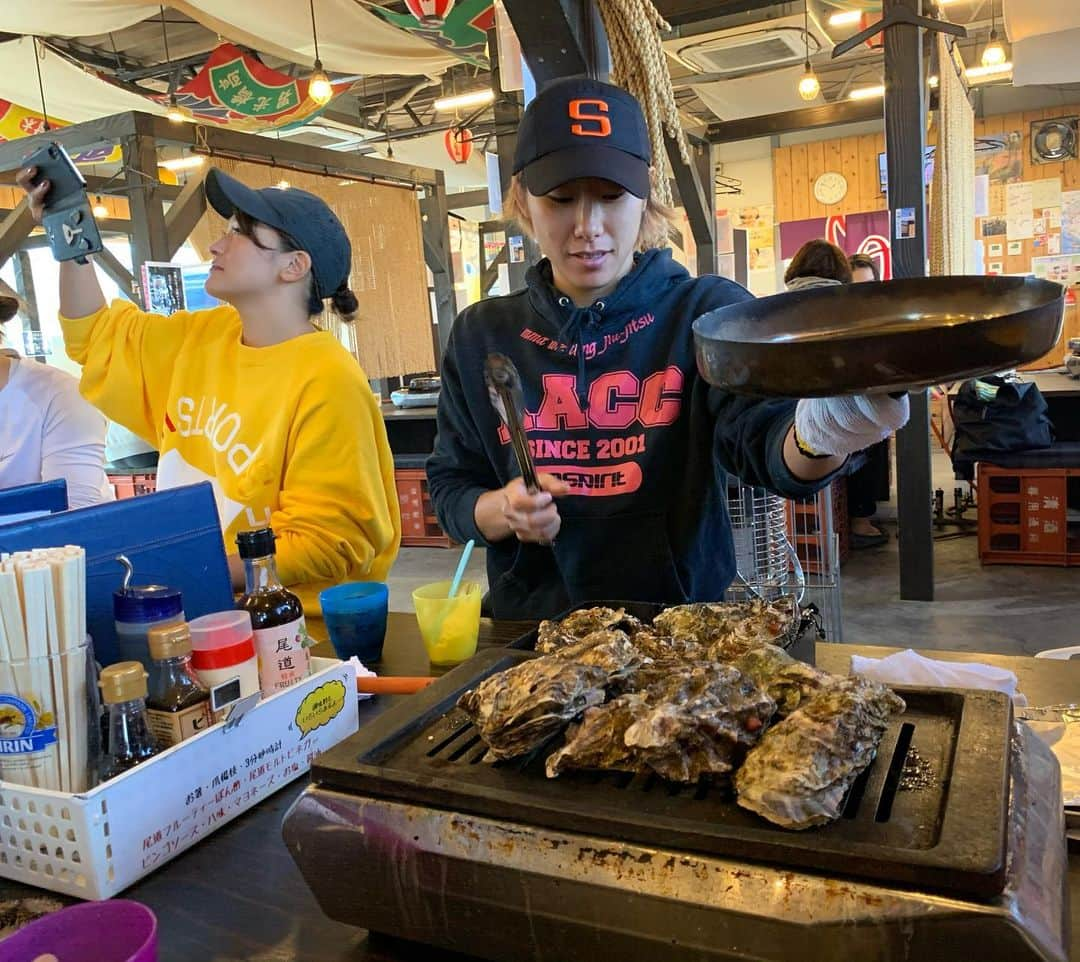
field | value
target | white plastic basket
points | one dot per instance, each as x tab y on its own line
94	845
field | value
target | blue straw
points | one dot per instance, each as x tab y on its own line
456	583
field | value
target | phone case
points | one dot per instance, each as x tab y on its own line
68	219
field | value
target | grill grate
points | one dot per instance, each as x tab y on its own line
457	748
949	834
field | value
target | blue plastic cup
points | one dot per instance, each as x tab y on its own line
355	617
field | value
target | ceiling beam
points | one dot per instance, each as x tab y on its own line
682	12
790	121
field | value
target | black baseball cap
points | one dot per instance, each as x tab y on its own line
578	127
307	220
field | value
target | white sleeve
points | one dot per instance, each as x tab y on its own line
73	447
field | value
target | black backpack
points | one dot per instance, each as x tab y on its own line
1014	420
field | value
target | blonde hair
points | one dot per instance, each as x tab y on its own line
657	221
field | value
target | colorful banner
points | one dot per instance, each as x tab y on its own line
17	122
463	33
234	89
852	233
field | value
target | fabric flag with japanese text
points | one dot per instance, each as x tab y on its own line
236	90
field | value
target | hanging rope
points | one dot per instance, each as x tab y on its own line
639	65
39	55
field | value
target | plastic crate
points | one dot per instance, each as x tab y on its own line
805	522
95	844
419	526
1024	515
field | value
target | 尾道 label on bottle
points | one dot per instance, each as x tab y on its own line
283	656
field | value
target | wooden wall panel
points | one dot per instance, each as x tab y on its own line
869	183
815	167
796	168
782	179
801	188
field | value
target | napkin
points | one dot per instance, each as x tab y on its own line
1064	741
362	671
910	668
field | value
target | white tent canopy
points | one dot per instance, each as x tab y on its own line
71	93
352	39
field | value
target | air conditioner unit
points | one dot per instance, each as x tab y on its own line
750	49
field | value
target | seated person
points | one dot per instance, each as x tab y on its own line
47	430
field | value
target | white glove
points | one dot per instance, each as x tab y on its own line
843	425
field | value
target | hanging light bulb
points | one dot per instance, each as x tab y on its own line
320	89
99	208
994	54
174	113
809	87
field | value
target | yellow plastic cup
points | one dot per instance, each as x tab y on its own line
449	626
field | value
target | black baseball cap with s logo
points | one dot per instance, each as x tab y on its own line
578	127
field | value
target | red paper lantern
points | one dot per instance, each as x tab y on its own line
458	141
430	12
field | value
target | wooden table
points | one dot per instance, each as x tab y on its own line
238	896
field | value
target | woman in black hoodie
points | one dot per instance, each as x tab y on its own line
632	446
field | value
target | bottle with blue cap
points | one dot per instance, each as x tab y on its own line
139	608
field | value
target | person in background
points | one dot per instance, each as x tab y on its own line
870	483
817	264
632	446
47	430
251	396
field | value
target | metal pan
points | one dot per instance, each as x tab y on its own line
874	338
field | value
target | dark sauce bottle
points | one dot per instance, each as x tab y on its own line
277	617
129	740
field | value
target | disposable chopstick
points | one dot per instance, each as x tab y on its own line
11	611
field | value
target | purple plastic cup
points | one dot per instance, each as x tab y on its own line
114	931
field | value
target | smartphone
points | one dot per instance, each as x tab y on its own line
68	219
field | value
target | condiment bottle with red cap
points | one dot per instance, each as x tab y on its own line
223	650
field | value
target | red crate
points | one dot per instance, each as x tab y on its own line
804	521
419	526
1023	515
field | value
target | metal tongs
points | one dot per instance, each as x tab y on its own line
1069	714
504	389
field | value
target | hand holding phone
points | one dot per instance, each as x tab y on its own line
67	218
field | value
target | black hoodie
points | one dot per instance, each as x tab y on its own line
617	409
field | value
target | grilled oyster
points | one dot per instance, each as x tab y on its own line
701	719
553	635
787	681
690	720
519	709
800	771
661	648
609	649
598	740
729	629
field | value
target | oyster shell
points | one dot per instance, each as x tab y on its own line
800	771
552	635
519	709
687	721
729	629
609	649
787	681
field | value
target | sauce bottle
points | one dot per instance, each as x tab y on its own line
277	617
123	689
178	705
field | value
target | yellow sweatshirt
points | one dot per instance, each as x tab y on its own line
289	435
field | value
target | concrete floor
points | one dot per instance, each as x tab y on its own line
1005	609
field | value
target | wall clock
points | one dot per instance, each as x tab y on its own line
830	188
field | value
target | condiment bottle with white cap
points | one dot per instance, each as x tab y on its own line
129	741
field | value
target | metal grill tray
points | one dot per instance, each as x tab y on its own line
949	836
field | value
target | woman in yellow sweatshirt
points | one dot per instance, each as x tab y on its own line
252	396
